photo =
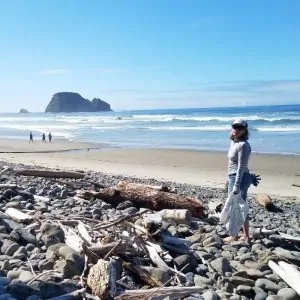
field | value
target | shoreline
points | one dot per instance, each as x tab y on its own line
195	167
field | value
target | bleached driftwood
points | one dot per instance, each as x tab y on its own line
264	200
291	278
72	239
167	257
17	215
160	293
152	221
8	186
179	216
84	233
41	198
143	196
50	173
289	237
158	261
101	251
102	279
5	169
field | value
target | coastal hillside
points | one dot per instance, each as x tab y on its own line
68	102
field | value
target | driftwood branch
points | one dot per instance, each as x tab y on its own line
148	294
49	173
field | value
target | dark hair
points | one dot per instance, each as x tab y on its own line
244	136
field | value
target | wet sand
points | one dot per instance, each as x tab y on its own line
185	166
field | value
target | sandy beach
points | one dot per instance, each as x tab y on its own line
182	166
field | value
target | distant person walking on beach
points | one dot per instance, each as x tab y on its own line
44	138
30	137
239	178
50	137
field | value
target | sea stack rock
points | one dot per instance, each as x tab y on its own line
24	111
66	102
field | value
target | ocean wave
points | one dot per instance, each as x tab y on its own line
278	129
190	128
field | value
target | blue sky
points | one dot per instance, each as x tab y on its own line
139	54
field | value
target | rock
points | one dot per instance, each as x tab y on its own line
4	281
130	211
26	276
201	270
158	274
9	193
261	296
25	237
26	195
124	205
24	111
49	289
68	268
244	289
73	102
255	265
288	294
235	280
9	248
51	234
21	290
7	296
18	198
254	274
184	260
210	295
46	264
203	281
267	285
13	274
221	265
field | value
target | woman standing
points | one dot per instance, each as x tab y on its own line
239	178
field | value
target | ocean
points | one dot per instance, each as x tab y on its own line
273	129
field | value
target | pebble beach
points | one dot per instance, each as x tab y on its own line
35	262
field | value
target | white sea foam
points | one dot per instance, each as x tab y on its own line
278	129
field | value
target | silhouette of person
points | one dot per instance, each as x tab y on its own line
50	137
30	137
44	138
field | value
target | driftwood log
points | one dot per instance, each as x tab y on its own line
147	197
17	215
288	274
102	279
264	200
50	173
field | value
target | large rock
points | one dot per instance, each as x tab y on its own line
221	265
73	102
24	111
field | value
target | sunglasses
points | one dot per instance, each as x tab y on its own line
239	127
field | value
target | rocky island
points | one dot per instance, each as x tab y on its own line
24	111
73	102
